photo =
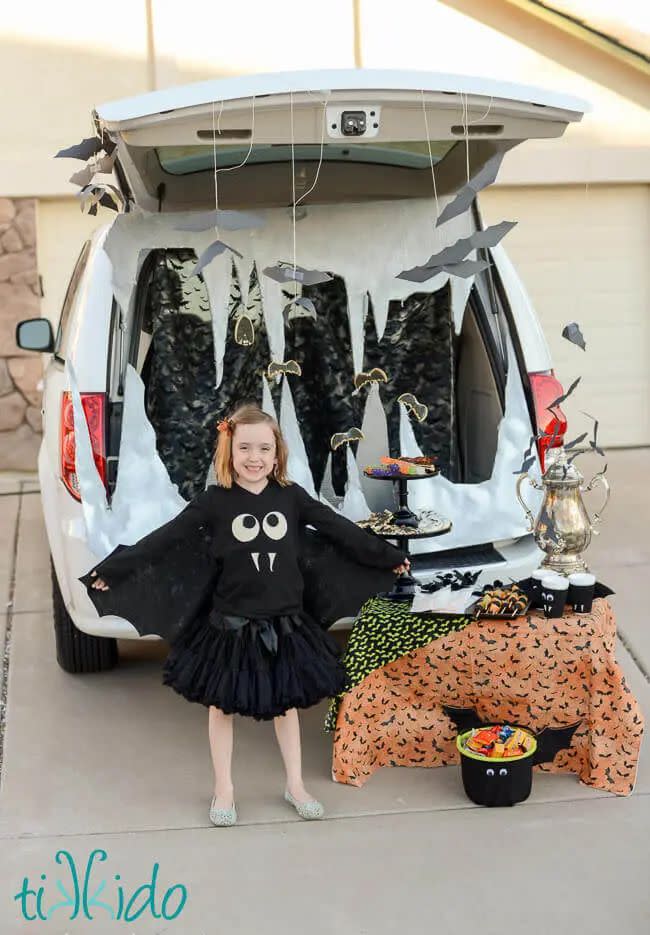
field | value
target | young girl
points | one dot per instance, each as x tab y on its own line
255	651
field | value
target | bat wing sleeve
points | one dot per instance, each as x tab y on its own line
164	579
342	565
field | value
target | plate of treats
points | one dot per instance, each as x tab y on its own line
498	603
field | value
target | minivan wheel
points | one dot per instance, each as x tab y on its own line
77	651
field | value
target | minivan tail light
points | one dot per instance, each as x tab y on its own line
545	388
94	406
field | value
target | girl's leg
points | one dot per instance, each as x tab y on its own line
287	730
220	731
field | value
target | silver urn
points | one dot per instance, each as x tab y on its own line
562	528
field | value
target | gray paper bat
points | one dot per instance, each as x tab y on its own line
526	465
229	220
573	334
84	150
594	441
214	250
300	308
466	195
458	251
576	441
560	399
283	272
466	268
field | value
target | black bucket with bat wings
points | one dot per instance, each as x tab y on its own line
499	781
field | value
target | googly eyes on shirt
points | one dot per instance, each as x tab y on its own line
245	527
275	525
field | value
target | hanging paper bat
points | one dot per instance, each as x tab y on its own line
529	458
229	220
550	740
419	410
463	199
573	334
450	257
575	441
594	441
107	195
560	399
284	272
216	248
344	438
83	150
376	375
98	167
278	368
299	308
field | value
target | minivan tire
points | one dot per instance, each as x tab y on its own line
77	651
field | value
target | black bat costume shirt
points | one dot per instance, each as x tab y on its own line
255	541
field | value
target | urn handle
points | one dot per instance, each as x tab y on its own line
533	483
595	480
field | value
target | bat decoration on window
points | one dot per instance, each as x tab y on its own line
277	369
376	375
466	195
345	438
285	272
216	248
419	410
550	740
573	334
453	259
299	308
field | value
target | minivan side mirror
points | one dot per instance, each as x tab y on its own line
35	334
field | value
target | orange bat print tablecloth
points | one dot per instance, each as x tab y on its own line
532	671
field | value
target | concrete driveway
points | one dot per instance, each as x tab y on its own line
117	764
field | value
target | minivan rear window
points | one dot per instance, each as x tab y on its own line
409	154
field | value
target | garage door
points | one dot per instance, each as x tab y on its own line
583	256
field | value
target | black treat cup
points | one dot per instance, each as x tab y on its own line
581	592
553	597
535	589
495	782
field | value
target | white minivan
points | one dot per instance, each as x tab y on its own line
362	176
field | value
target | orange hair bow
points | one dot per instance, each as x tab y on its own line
225	426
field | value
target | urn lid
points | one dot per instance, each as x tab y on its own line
561	470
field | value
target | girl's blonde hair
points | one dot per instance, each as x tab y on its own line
247	414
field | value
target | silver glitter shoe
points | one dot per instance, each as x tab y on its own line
310	810
223	817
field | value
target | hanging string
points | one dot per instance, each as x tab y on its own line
433	174
293	196
483	116
320	161
463	98
216	130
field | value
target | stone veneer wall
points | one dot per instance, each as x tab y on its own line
20	371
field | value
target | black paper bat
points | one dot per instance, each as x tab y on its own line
549	741
573	334
560	399
466	195
376	375
284	272
216	248
594	441
83	150
453	258
529	458
344	438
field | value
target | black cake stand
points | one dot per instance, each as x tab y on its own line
403	516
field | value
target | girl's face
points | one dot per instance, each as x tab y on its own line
253	452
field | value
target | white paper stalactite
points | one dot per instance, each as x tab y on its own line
267	400
272	304
491	505
144	496
460	290
407	441
354	504
298	467
217	277
357	305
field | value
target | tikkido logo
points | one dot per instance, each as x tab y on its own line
78	899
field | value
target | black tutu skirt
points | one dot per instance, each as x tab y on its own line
259	668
